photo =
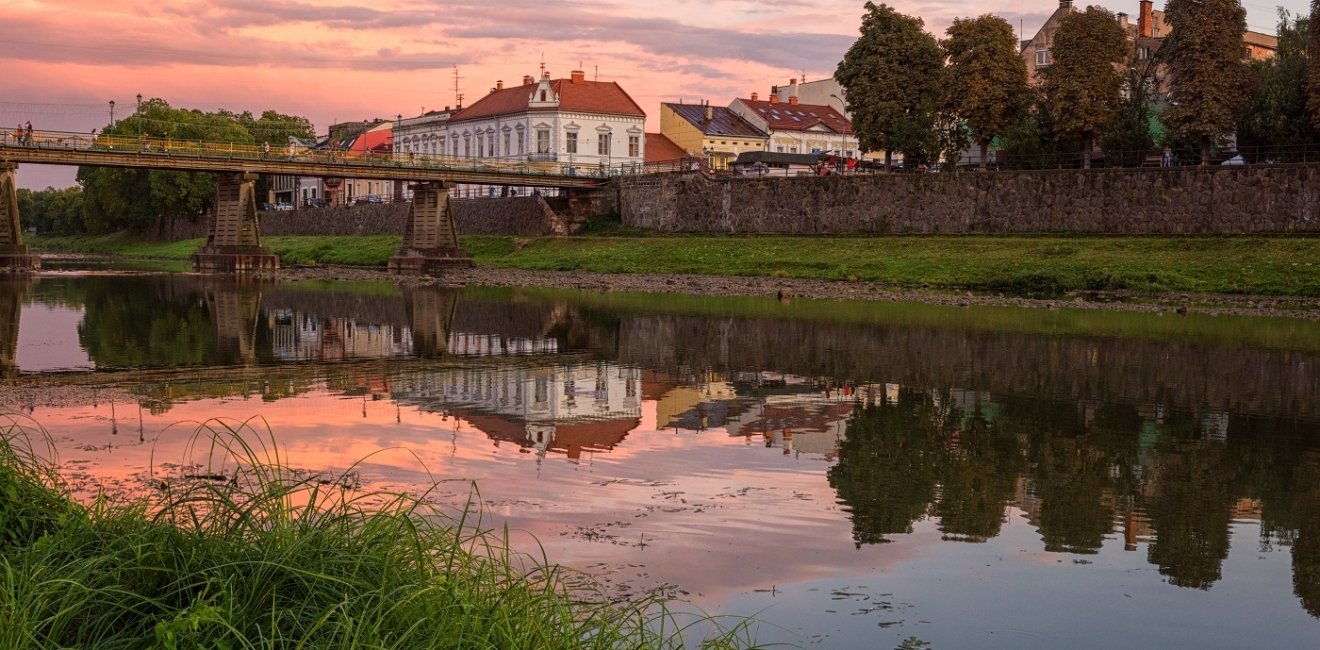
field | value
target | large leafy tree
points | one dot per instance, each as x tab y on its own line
1313	74
1207	68
891	78
986	79
1082	87
134	199
1273	121
1127	138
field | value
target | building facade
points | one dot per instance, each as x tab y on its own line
715	133
590	125
794	127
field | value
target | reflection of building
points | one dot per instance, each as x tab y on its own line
568	408
306	337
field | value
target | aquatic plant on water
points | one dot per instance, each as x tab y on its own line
257	555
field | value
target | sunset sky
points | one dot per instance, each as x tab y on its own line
338	60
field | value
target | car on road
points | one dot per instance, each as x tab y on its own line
369	198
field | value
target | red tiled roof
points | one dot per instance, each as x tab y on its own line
783	116
661	149
584	96
373	140
722	120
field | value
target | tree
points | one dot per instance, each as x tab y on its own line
890	77
986	80
1273	121
1207	70
135	199
1127	138
1313	73
1082	86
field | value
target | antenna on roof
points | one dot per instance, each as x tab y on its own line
543	64
458	96
595	75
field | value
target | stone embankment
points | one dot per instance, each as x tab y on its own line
1170	201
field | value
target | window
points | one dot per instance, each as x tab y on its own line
1043	57
570	142
455	153
480	140
522	144
506	143
543	141
467	146
780	148
634	146
603	144
793	150
490	145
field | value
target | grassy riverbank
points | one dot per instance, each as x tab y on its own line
263	557
1279	266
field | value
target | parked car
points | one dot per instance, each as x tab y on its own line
369	198
266	207
284	207
315	203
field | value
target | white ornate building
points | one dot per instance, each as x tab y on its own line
587	124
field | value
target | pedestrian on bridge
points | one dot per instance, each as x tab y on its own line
27	139
18	134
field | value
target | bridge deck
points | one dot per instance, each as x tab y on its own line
61	148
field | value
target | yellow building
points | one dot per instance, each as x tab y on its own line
715	133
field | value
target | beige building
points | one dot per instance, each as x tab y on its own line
714	133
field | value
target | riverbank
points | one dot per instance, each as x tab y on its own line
1240	275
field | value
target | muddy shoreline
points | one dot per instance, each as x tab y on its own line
790	288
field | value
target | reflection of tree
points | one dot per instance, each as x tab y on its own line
978	476
148	322
888	465
1190	509
1306	547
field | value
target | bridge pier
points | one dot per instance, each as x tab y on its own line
14	254
430	242
234	245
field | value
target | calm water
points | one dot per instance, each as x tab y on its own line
852	474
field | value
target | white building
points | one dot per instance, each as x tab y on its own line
794	127
591	125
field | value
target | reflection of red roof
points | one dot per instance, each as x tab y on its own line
655	384
373	140
661	149
593	435
786	117
605	97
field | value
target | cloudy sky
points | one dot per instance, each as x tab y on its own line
337	60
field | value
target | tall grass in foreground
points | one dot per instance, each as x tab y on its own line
251	554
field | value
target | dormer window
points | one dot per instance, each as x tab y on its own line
542	95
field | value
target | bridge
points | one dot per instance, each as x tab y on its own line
430	241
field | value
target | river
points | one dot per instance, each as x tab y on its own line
853	474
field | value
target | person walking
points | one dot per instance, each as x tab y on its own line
1166	159
27	139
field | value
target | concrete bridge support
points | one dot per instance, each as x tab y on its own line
430	243
13	289
14	255
234	245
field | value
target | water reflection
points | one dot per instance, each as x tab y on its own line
1155	447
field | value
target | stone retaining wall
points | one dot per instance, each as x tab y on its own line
499	216
1182	200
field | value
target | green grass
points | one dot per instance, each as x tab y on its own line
250	554
1279	266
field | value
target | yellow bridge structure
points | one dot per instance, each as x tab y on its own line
430	241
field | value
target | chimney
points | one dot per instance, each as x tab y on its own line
710	112
754	97
499	84
577	76
774	99
545	74
792	100
527	80
792	86
1122	20
1145	19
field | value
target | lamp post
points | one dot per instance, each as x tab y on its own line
112	112
137	113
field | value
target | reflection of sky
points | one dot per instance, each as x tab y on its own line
44	336
728	520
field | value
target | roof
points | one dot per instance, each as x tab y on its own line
379	138
661	149
606	97
801	117
723	121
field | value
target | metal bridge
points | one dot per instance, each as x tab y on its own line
430	242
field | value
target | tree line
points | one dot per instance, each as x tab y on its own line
138	200
930	99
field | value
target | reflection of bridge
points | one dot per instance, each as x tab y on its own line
234	243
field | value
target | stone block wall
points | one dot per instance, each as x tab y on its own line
529	215
1190	200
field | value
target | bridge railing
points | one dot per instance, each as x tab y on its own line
145	145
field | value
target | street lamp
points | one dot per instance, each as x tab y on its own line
138	112
112	112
